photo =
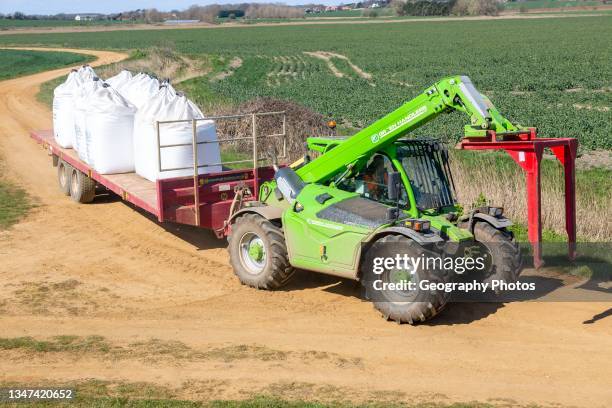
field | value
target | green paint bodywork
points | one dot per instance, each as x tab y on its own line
334	248
306	235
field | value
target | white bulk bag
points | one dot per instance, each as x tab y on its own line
141	89
86	72
155	104
168	85
110	124
63	110
120	80
169	106
80	116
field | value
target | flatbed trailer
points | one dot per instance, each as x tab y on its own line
176	199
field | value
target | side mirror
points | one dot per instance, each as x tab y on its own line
394	182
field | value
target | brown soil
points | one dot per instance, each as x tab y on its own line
327	57
164	62
233	65
106	269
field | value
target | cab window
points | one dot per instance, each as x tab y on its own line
371	181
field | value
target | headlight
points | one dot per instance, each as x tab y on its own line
418	225
496	211
492	211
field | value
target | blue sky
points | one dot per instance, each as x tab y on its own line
110	6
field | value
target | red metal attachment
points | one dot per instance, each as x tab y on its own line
527	150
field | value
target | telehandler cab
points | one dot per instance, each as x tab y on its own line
378	194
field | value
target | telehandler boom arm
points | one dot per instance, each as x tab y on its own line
452	93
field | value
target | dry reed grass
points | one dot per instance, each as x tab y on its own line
502	182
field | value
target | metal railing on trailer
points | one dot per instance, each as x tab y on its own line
253	137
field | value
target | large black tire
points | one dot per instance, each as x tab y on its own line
506	261
258	253
82	187
403	307
64	173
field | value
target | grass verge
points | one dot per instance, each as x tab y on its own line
156	349
56	344
97	393
14	204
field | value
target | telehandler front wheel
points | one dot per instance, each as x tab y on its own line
505	255
258	253
413	304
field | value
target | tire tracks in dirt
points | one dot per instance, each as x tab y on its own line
151	281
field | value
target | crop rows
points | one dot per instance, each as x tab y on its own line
551	73
285	68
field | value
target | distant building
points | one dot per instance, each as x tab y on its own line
179	22
88	17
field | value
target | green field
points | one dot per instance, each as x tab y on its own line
15	63
551	73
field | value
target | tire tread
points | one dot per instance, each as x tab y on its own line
280	269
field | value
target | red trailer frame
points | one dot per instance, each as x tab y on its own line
176	199
526	150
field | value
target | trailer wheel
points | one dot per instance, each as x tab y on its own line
82	187
505	256
64	173
402	306
258	253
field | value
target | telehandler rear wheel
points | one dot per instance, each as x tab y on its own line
505	256
64	172
258	253
403	306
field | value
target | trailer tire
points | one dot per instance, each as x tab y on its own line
64	174
410	307
258	253
82	187
506	260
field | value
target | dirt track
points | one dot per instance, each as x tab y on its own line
106	269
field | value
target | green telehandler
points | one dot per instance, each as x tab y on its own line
378	194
